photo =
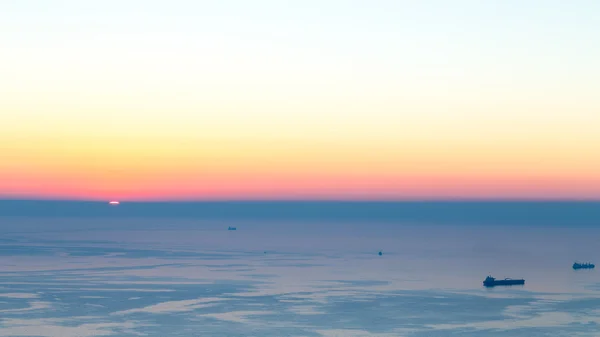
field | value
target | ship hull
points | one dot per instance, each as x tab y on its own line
504	283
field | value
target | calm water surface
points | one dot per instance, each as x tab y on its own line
136	276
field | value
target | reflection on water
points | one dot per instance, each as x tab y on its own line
185	277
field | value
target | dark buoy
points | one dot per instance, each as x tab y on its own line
380	253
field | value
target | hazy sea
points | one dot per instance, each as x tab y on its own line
72	269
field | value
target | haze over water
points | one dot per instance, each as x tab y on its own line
297	269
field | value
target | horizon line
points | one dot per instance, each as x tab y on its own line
308	200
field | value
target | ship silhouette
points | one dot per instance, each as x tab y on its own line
231	228
492	282
586	265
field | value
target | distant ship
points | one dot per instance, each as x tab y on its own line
583	265
231	228
492	282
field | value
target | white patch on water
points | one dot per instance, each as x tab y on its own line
19	295
172	306
238	316
33	306
53	328
354	333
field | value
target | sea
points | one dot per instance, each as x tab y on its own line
303	268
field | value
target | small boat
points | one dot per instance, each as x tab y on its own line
586	265
231	228
492	282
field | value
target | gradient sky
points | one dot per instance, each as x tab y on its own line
299	99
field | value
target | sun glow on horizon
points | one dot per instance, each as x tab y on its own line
328	100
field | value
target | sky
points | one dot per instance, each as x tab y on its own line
221	100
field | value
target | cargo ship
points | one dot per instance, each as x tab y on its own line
588	265
492	282
231	228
